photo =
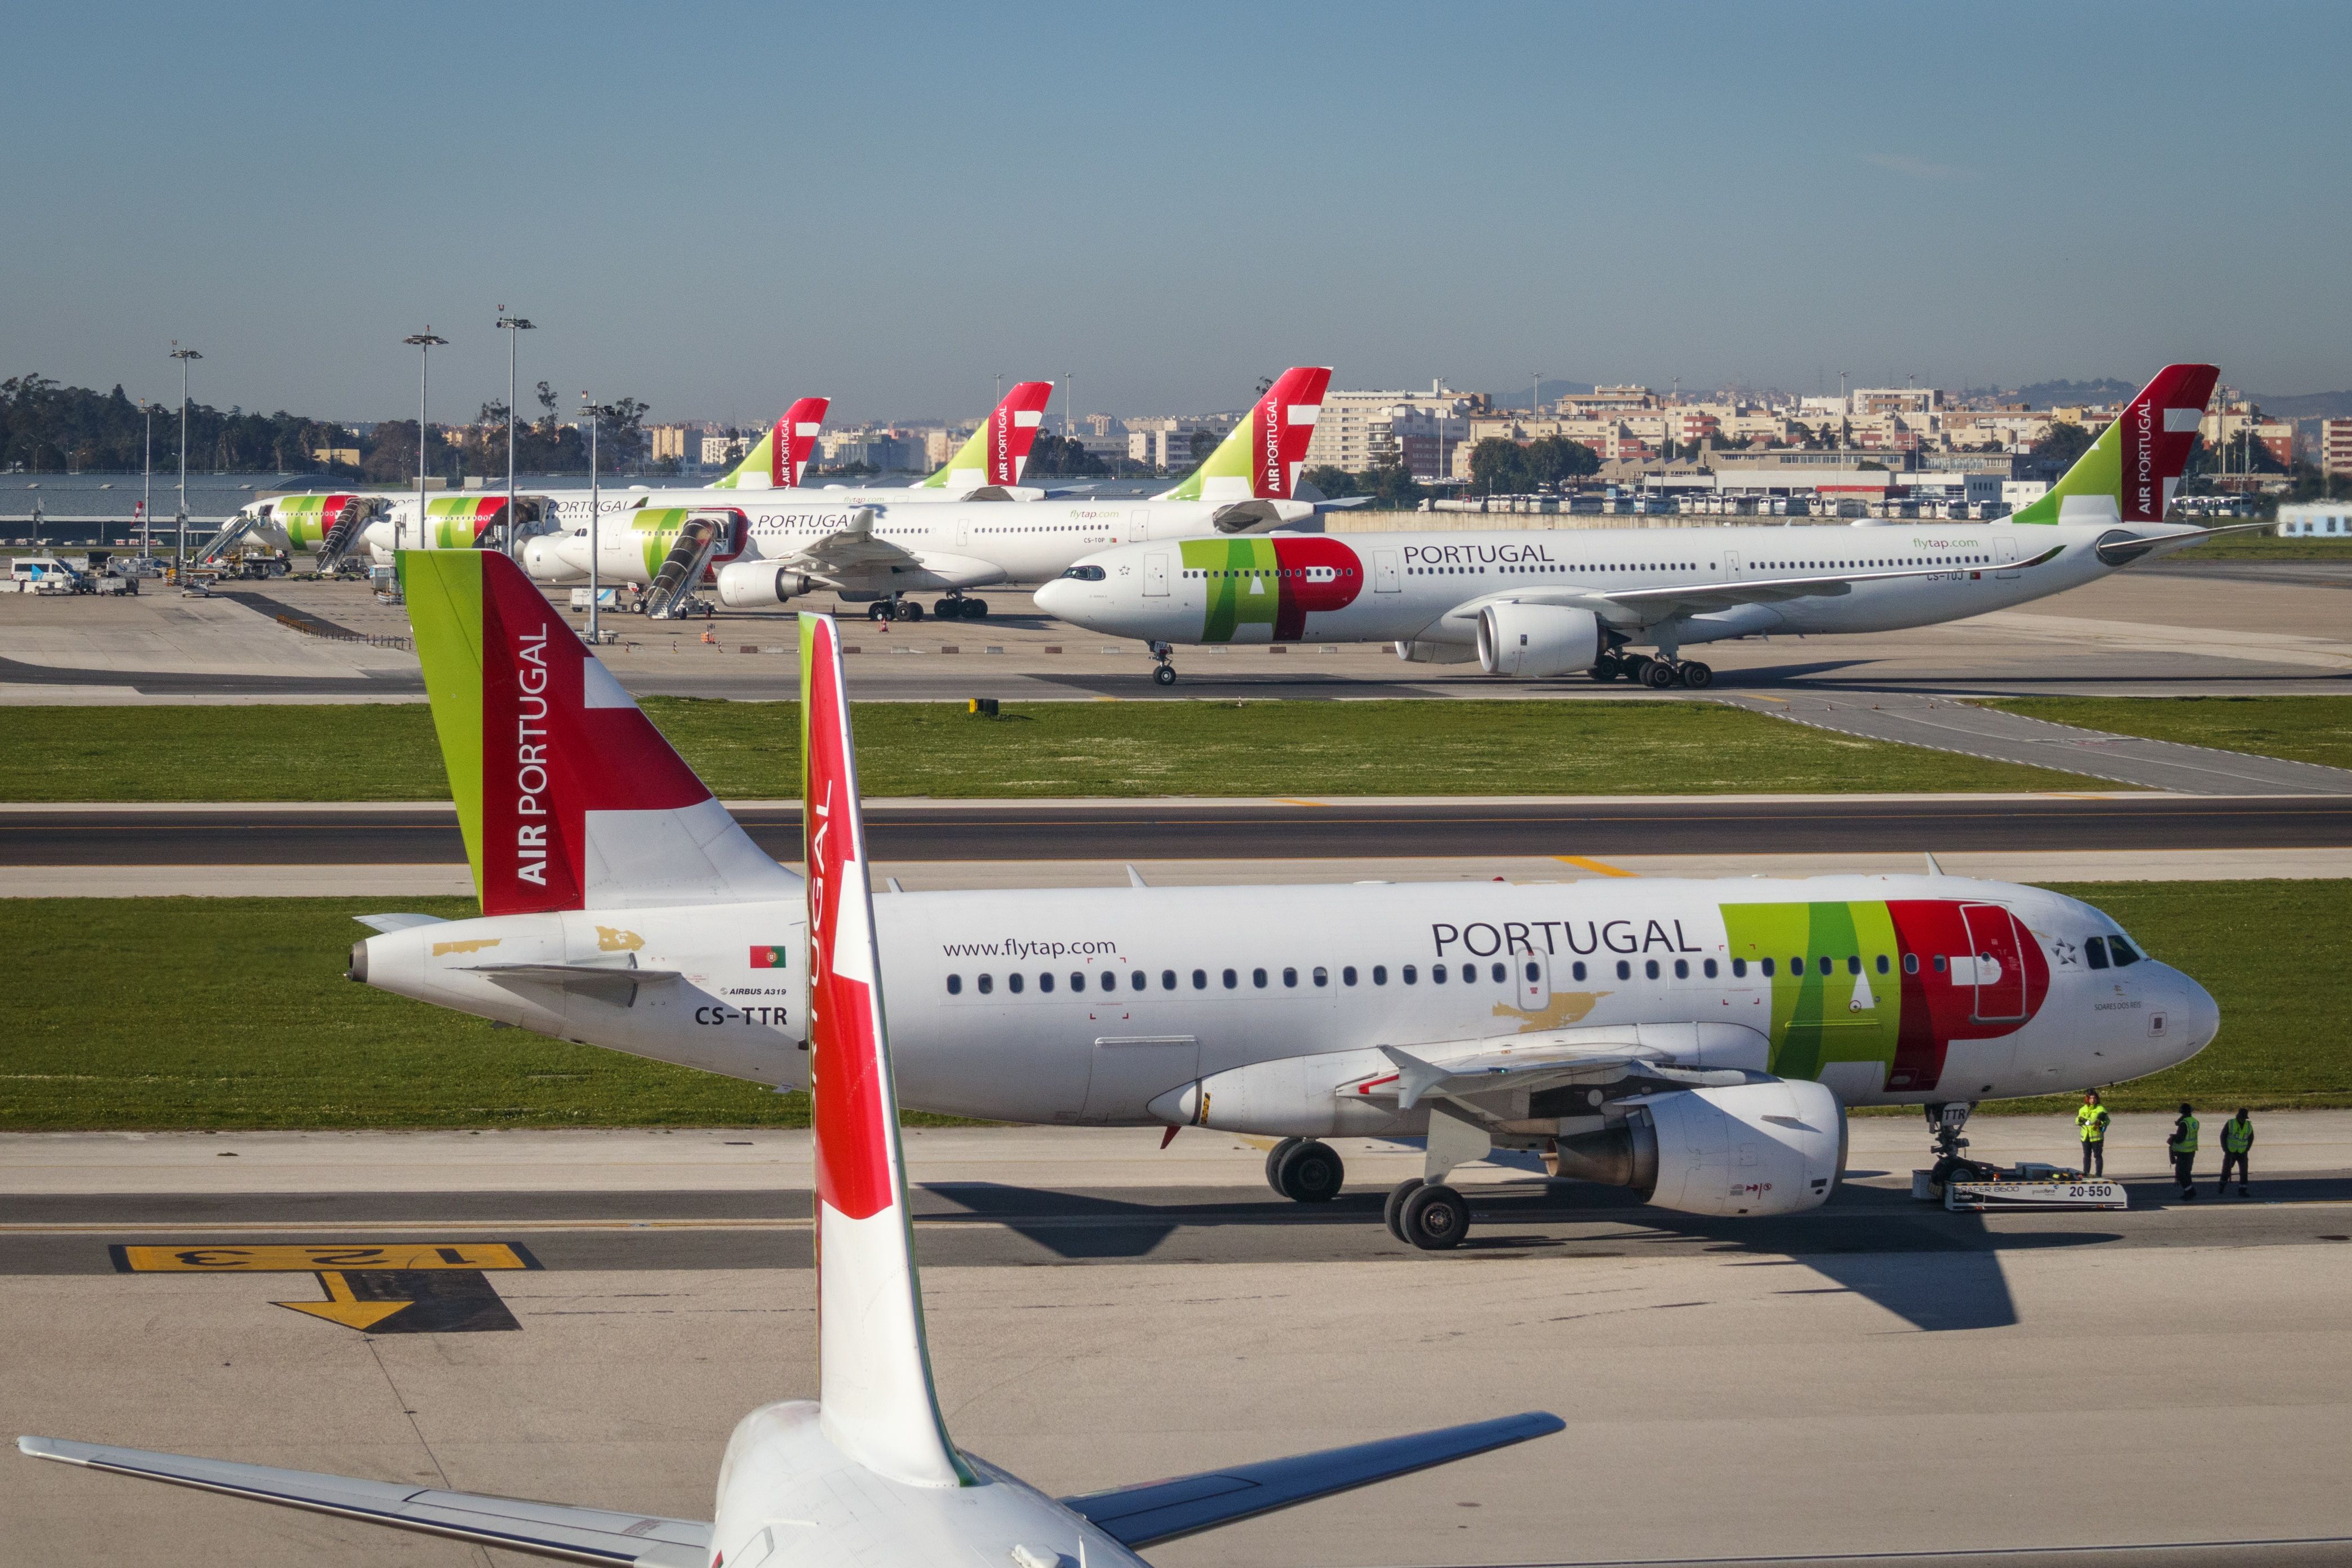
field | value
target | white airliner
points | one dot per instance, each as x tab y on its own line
1534	604
867	1473
1694	1040
872	546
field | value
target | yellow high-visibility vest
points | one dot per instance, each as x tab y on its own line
2184	1142
2237	1136
2092	1120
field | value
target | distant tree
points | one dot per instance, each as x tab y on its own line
1498	465
1553	460
391	452
1064	458
1204	442
2064	441
1390	486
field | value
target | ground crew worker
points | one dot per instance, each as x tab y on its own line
2182	1146
2237	1142
2091	1120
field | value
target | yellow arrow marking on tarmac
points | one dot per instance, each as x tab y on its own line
305	1258
342	1307
1586	863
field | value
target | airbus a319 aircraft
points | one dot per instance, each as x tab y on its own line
1534	604
1694	1040
874	548
866	1473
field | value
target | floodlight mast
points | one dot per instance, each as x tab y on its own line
424	343
180	550
514	326
595	515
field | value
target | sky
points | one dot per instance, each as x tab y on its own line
716	208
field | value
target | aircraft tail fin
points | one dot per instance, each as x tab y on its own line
998	451
567	796
779	458
1261	459
874	1369
2131	471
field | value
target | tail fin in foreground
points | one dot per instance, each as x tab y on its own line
999	449
781	455
1262	459
2131	471
874	1369
568	797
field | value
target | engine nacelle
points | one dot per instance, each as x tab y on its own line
1773	1147
1436	652
1535	642
756	584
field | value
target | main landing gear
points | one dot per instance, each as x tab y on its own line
895	607
1655	674
1163	671
956	607
1305	1170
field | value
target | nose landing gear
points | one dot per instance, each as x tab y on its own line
1163	671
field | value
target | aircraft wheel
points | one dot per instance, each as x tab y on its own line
1657	675
1393	1211
1310	1173
908	609
1606	670
1697	677
1165	675
1435	1219
878	610
1274	1158
975	609
949	610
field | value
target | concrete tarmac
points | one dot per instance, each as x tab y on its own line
1874	1379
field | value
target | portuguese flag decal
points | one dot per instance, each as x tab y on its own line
770	958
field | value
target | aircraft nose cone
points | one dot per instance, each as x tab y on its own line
1063	599
2201	1016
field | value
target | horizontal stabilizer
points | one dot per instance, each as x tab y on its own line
1163	1511
541	1529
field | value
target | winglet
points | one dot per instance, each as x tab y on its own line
874	1368
1261	459
779	458
997	451
1135	878
1933	868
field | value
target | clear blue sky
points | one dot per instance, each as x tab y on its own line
715	208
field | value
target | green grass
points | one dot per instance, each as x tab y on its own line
151	1013
2302	729
2266	547
752	750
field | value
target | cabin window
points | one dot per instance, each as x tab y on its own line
1682	968
1766	964
1232	980
1881	962
1167	979
1258	979
1910	963
1012	982
1624	970
1498	973
1138	980
1940	966
1532	973
1853	964
1323	975
1740	968
1710	968
987	984
1437	973
2094	952
1346	975
1650	969
955	985
1046	982
1576	968
1410	975
1826	965
1200	979
1290	977
1796	965
1380	973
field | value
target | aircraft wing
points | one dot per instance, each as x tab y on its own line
849	550
1527	1068
542	1529
1645	605
1162	1510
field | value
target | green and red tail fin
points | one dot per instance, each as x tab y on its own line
874	1369
998	451
567	796
2131	471
1261	459
781	455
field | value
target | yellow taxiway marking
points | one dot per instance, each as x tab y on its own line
1286	800
314	1256
1760	698
1586	863
342	1307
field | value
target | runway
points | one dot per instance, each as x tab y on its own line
1869	1378
421	834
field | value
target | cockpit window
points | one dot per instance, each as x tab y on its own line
1084	573
2121	951
2094	952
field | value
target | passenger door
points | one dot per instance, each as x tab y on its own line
1138	525
1386	577
1131	1070
2004	555
1999	966
1155	576
1731	566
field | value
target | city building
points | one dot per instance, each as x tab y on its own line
2316	520
1358	431
2335	446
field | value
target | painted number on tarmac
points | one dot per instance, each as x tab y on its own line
305	1258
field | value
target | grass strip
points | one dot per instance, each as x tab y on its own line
2300	729
354	752
154	1013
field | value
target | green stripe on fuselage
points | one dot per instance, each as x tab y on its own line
1820	1017
1241	586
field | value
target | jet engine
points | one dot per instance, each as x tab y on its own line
755	584
1534	641
1770	1147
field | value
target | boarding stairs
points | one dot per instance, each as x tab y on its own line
345	530
221	543
672	593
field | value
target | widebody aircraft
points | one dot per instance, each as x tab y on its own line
867	1472
1696	1040
1539	603
875	548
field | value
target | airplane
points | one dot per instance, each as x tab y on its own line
867	1473
873	549
1694	1040
1536	604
